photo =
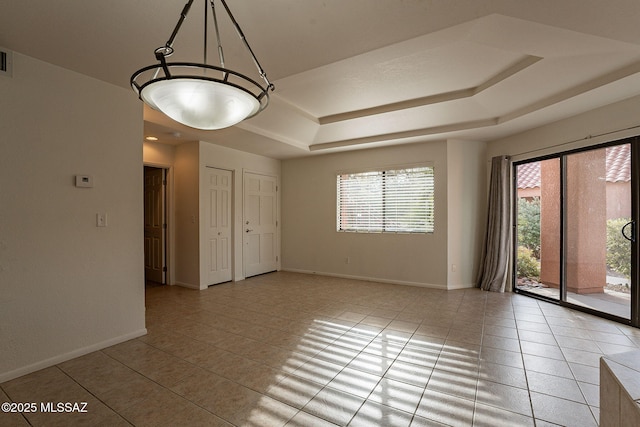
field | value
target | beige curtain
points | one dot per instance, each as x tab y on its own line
495	261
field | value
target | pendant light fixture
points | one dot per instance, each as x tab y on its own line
202	96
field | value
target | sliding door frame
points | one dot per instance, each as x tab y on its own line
635	216
634	142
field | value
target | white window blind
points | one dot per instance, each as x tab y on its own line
398	201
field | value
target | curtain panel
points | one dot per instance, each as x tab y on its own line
494	266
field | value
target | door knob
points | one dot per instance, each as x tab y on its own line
248	230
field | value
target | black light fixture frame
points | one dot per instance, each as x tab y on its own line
175	70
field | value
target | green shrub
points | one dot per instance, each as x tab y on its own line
528	265
529	225
618	248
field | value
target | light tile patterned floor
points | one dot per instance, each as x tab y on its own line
303	350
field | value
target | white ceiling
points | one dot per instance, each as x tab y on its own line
361	73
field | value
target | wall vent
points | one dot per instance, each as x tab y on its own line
6	62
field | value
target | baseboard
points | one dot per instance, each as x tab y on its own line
188	285
6	376
369	279
462	286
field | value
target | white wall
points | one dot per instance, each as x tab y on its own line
466	198
160	155
67	287
310	242
187	206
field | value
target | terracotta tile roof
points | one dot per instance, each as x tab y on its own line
529	175
619	163
618	168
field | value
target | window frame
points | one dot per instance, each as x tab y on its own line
385	218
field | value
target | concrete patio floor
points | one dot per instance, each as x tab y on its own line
612	302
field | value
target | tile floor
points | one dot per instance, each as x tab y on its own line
303	350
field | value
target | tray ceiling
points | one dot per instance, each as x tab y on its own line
362	73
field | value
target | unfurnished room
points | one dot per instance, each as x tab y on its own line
320	213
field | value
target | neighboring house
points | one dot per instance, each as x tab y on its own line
618	178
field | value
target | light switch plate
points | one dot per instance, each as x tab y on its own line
101	220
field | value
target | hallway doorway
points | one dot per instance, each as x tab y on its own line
155	226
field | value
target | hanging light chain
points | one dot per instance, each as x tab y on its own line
168	47
246	45
215	25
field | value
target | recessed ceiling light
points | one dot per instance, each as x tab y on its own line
151	138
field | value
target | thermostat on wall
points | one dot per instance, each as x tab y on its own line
85	181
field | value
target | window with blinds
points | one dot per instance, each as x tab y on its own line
395	201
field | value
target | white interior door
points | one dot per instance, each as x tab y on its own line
260	251
154	224
217	225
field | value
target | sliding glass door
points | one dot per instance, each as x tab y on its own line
538	227
575	231
598	206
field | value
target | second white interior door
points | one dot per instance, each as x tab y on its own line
260	226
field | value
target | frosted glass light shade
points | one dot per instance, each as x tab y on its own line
201	104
